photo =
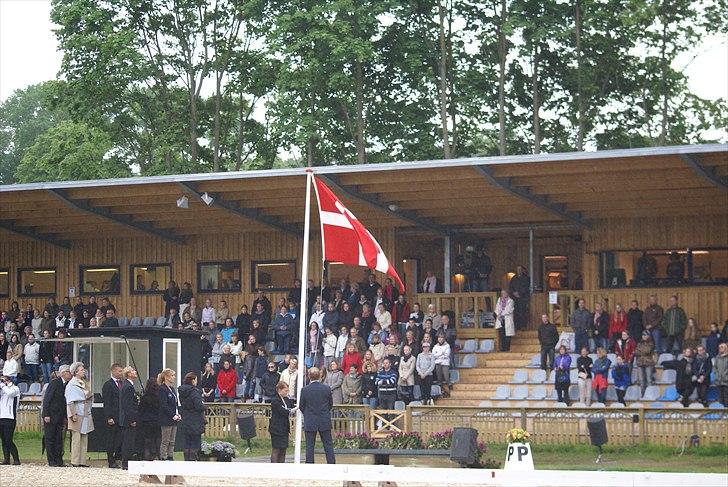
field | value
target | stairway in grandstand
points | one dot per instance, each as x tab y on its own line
514	378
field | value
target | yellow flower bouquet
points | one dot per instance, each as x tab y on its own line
518	435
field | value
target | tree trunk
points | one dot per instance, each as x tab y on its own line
579	86
443	82
216	134
663	81
239	148
502	54
536	104
451	85
193	119
361	155
309	151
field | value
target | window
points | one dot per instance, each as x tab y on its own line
555	272
104	279
37	282
149	278
273	275
218	276
4	283
664	267
172	356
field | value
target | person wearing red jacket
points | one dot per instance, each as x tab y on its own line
625	347
351	357
226	381
617	324
400	313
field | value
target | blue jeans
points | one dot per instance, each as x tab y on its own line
249	387
656	335
32	370
283	342
581	339
600	341
369	401
47	370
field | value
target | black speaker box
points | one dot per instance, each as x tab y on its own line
246	426
464	445
597	431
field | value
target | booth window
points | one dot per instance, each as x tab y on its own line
218	276
37	282
664	267
97	279
149	278
273	275
172	356
4	282
556	272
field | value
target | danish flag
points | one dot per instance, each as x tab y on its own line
345	239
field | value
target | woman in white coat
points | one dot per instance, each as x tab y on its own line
78	404
504	320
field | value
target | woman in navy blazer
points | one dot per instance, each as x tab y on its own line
279	426
168	412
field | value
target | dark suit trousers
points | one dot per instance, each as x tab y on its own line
128	444
325	439
113	443
53	434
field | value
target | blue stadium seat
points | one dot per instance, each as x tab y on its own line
470	346
519	393
501	393
633	393
136	321
651	393
670	394
538	393
520	376
668	377
123	322
148	321
538	377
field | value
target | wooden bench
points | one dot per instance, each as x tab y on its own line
381	455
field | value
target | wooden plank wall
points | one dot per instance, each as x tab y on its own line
246	247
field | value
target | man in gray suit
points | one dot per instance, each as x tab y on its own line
316	404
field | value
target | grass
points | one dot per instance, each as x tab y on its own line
641	458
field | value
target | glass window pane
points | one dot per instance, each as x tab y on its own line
171	351
4	282
36	282
150	278
140	351
100	366
274	275
218	276
100	279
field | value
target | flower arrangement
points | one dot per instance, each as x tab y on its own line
402	441
220	450
518	435
358	441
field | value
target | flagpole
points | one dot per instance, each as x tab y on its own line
302	325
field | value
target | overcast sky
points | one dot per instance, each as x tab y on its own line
28	52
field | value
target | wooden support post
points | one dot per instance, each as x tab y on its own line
232	420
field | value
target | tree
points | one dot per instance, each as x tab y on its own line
70	151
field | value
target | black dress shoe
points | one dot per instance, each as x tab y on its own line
5	462
16	462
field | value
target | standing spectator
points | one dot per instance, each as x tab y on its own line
283	326
401	313
317	315
520	289
9	398
192	410
217	351
646	270
482	267
713	339
78	402
674	323
425	368
47	323
562	380
352	386
721	373
548	337
79	307
53	412
290	374
31	352
600	327
645	357
244	322
448	329
222	313
392	351
294	295
617	324
330	318
384	318
429	286
128	415
369	385
226	381
279	426
600	369
11	367
265	305
584	373
703	368
652	319
208	314
690	335
352	357
110	398
635	318
316	404
46	356
386	382
51	306
169	414
622	378
185	297
357	341
441	352
313	348
91	307
269	381
625	347
149	427
406	381
581	320
329	347
171	298
259	373
675	269
208	383
195	311
334	379
504	320
341	343
258	332
417	314
411	341
391	293
238	353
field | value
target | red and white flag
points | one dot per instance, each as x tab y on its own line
345	239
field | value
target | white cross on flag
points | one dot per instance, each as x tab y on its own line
345	239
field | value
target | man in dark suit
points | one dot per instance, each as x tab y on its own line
110	398
316	404
54	416
128	415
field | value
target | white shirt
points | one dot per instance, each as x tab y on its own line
31	352
9	395
10	368
235	349
429	285
318	318
441	353
208	315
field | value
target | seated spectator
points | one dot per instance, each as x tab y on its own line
584	373
686	369
721	373
352	357
208	313
60	320
433	316
228	330
329	346
713	339
334	379
622	378
381	299
195	311
187	320
73	321
406	371
222	313
85	319
646	360
703	369
226	381
331	317
428	332
208	383
172	320
352	386
111	321
100	317
562	380
386	382
600	369
548	337
93	323
368	385
268	382
441	351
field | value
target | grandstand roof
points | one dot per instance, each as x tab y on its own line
443	197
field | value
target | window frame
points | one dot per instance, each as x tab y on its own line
22	294
4	295
132	286
218	290
82	268
253	273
